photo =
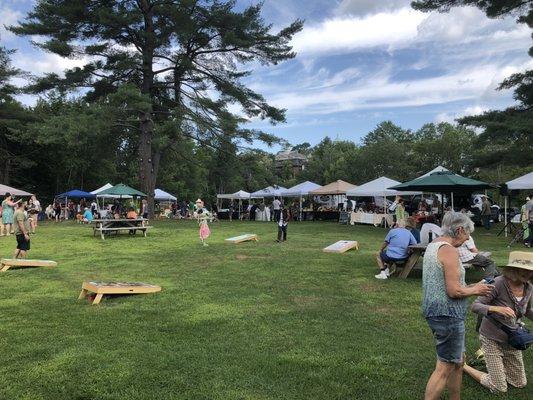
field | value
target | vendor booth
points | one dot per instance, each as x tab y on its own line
524	182
300	191
329	200
378	191
240	196
12	191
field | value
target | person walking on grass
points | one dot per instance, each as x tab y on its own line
8	209
485	212
445	301
509	301
202	215
283	222
22	231
34	211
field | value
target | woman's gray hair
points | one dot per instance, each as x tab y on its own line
452	221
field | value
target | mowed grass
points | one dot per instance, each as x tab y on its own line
250	321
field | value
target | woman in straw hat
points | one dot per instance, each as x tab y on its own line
202	215
510	300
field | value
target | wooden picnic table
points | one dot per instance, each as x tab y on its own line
417	251
104	226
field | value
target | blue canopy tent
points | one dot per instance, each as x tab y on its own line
76	194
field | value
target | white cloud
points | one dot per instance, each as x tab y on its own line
46	62
364	7
9	17
344	34
450	117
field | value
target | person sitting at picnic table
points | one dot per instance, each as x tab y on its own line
131	214
423	206
87	215
394	249
410	225
510	300
444	303
469	254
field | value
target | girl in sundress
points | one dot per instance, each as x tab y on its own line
202	215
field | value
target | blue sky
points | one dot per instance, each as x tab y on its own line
361	62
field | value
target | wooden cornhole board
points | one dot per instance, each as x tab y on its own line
101	288
243	238
341	246
7	263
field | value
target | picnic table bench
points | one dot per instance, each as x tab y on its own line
104	226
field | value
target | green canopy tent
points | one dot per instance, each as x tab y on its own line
443	182
121	190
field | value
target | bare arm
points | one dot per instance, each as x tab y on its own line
449	258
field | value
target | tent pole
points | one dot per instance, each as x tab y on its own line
505	215
452	202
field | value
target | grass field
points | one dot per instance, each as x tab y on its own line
251	321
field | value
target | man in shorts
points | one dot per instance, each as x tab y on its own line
395	248
20	219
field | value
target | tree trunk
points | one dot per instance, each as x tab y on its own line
148	173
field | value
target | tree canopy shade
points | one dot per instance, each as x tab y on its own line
174	65
442	182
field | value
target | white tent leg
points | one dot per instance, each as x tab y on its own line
452	202
505	215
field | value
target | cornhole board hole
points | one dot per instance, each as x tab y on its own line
101	288
341	246
7	263
243	238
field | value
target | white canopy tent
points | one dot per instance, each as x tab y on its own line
240	195
439	168
107	196
378	188
300	190
12	191
270	191
161	195
524	182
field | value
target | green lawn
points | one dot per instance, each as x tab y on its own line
251	321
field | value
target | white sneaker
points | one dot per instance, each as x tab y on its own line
381	275
387	271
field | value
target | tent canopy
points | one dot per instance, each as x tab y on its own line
378	188
11	190
301	189
240	195
270	191
121	190
161	195
75	194
106	186
439	168
442	182
521	183
337	187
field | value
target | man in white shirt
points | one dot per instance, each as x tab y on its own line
469	254
276	207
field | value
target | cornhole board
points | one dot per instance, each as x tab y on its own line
101	288
341	246
242	238
7	263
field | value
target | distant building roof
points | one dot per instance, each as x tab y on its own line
289	155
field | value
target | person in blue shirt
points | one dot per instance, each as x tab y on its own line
87	215
395	248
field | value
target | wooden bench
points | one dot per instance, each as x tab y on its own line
341	246
242	238
103	230
101	288
7	263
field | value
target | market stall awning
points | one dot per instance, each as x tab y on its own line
11	190
337	187
161	195
521	183
442	182
378	188
121	190
240	195
75	194
270	191
301	189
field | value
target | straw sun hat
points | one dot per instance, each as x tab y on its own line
521	259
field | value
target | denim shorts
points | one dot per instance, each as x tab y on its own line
386	259
449	334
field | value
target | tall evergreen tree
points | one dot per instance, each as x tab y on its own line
182	57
